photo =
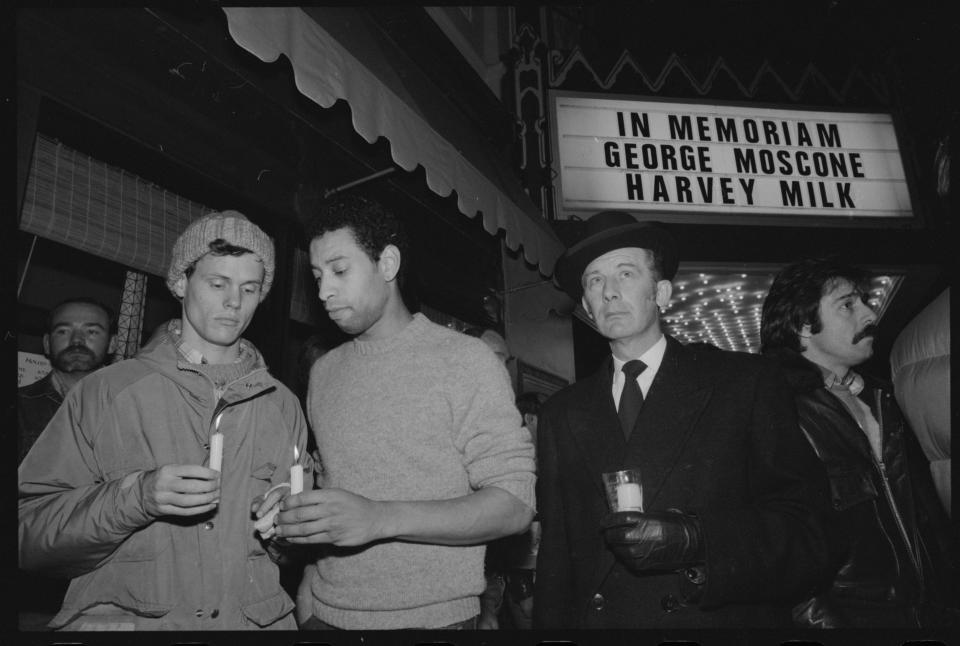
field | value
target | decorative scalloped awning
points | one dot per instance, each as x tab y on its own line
385	102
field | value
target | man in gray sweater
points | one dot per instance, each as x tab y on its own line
424	459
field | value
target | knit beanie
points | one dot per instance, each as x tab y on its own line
232	227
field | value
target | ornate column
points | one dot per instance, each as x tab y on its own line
528	59
130	317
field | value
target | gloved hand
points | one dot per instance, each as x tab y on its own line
657	540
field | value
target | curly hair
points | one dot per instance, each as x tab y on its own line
794	299
373	226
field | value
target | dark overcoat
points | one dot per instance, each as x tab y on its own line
717	436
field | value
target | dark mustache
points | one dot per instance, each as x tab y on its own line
870	330
76	348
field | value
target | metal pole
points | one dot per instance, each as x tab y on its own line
518	288
26	267
379	173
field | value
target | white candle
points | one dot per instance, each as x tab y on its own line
216	451
629	497
216	446
296	474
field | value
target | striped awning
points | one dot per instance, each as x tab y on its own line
335	57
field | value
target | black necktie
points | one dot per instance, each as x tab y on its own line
631	399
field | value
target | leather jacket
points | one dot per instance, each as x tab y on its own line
881	570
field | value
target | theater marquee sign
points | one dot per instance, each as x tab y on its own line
691	160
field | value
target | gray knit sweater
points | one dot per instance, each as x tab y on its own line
427	414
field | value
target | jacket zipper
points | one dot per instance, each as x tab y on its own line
877	396
217	410
221	402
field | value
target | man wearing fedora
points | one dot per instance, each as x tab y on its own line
730	534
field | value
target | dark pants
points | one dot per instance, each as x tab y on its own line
313	623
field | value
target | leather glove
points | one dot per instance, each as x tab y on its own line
657	540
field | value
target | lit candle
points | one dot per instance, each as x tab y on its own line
629	496
216	446
296	474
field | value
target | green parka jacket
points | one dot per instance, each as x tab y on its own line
81	511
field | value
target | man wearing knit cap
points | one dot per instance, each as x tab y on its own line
424	459
728	529
118	491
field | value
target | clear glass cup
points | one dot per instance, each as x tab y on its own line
624	490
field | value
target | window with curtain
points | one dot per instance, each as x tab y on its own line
90	205
104	210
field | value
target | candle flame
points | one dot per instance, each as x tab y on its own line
216	422
296	454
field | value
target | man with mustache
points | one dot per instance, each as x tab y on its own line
817	324
80	338
81	335
730	532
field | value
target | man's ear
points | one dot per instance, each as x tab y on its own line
389	263
112	346
180	287
586	307
46	344
664	292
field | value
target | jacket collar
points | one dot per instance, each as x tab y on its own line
802	374
805	376
43	387
807	381
163	355
851	382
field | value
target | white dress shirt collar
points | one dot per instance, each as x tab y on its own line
653	357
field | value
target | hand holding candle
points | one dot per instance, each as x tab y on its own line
265	525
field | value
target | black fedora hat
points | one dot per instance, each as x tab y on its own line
609	230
